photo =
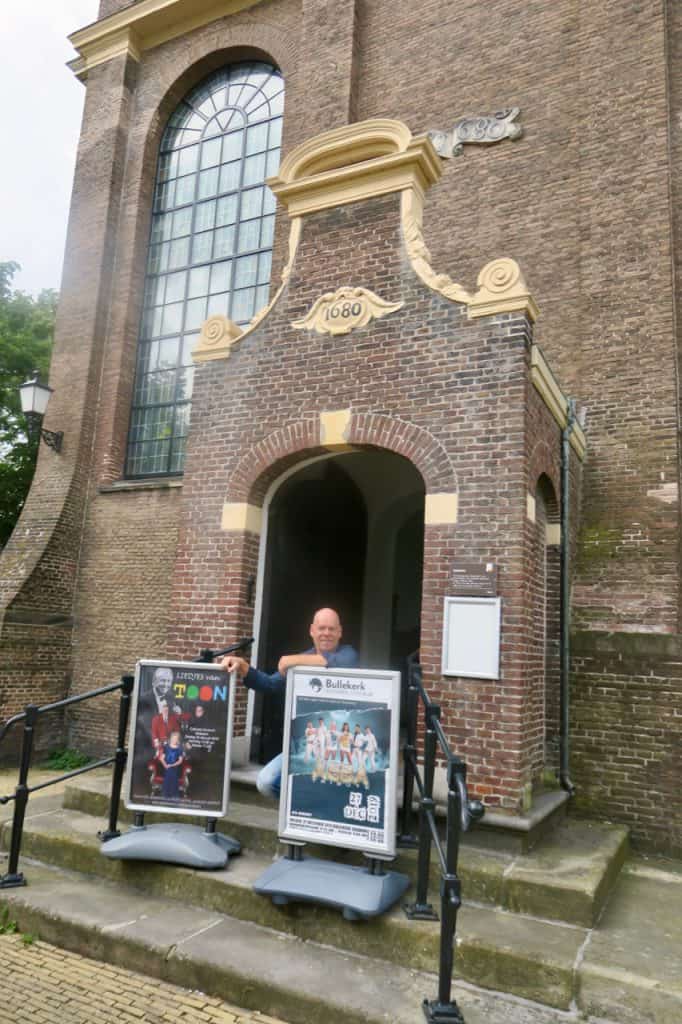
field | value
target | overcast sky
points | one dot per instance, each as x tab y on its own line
43	104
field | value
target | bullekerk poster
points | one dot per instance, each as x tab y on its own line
180	733
339	775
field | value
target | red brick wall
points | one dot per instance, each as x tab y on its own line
565	201
583	202
453	397
627	733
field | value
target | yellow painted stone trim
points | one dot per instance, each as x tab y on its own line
502	289
219	333
530	507
546	385
367	159
340	147
553	534
342	311
501	285
144	25
334	428
242	517
411	214
441	508
354	162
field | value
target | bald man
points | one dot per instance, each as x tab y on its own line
326	652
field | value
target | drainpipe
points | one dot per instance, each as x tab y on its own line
565	609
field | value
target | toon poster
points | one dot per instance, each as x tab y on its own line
339	771
180	733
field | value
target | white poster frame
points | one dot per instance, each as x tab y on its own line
289	832
490	623
177	808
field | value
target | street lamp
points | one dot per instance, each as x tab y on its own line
34	398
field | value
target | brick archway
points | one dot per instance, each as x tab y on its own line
265	461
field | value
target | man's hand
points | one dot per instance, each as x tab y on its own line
231	663
288	661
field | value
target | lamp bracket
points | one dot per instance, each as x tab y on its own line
53	439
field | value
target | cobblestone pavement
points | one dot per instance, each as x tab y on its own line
46	985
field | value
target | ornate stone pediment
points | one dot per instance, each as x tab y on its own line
341	311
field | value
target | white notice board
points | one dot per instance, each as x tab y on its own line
471	637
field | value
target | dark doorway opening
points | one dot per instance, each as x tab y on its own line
347	532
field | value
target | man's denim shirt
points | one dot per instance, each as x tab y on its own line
344	656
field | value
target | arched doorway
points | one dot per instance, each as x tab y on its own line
345	531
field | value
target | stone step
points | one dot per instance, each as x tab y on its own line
513	953
567	877
244	963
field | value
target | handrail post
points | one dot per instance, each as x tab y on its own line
407	836
421	909
121	758
445	1009
14	877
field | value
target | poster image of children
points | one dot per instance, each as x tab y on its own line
346	795
172	758
345	741
310	741
371	748
350	755
359	740
321	743
179	738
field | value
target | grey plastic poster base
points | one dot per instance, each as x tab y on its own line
353	889
173	844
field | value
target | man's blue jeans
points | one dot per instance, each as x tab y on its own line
270	778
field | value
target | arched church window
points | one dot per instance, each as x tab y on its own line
210	249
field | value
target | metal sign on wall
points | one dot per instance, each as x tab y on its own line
180	736
474	579
340	764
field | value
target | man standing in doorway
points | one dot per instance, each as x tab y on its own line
326	652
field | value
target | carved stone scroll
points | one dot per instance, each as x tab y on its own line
218	334
484	129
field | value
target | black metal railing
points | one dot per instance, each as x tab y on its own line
30	716
461	812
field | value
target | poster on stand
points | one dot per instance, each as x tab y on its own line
340	763
180	735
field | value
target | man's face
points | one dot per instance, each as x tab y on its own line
325	630
162	681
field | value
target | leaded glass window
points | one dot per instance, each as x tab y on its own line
210	249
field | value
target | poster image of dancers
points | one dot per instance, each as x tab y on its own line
339	773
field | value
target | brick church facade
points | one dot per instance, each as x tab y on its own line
382	372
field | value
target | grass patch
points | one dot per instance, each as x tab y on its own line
64	759
7	926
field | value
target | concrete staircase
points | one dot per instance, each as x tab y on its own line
531	926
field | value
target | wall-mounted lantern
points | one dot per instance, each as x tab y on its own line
34	398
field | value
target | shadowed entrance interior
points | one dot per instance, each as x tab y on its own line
345	531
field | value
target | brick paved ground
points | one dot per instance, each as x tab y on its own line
46	985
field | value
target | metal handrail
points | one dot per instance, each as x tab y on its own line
30	716
461	812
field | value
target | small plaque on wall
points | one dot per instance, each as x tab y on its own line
474	579
471	637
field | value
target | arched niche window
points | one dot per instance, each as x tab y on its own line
210	248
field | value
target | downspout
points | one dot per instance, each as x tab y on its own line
565	606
